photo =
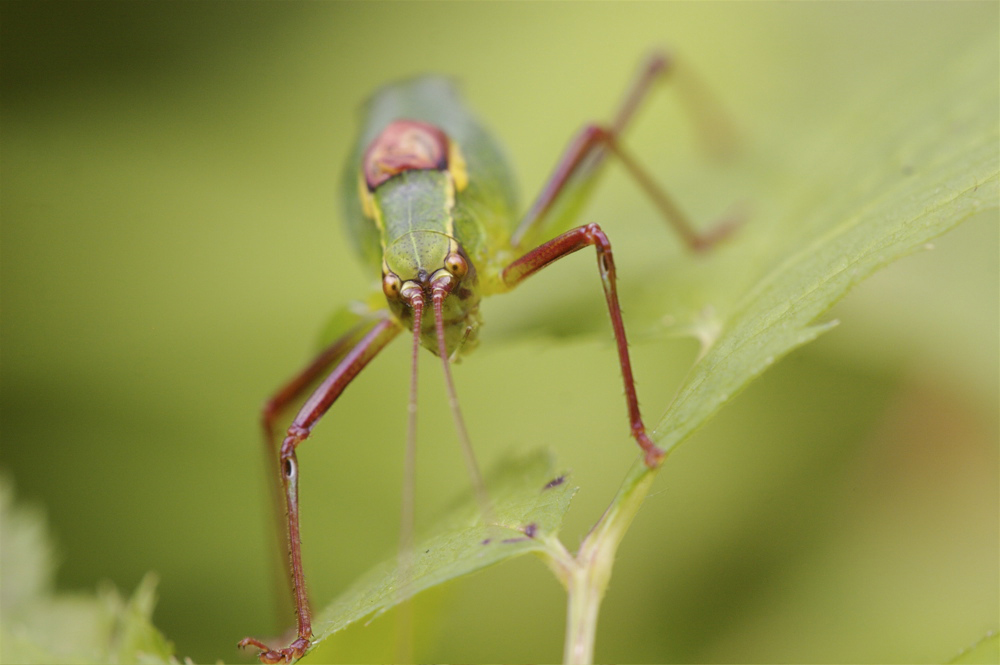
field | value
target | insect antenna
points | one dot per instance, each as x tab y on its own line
438	294
410	458
404	625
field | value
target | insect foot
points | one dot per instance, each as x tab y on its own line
293	651
706	240
654	458
654	454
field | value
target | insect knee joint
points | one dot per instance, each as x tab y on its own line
595	133
295	436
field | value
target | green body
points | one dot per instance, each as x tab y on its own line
422	215
484	214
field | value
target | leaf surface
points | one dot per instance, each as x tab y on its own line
40	626
902	171
529	499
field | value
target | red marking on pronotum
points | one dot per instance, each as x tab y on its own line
404	145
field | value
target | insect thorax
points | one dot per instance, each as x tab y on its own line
408	184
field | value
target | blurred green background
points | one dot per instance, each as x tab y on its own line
171	247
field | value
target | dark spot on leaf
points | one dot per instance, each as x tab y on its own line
555	482
486	542
427	551
513	540
530	530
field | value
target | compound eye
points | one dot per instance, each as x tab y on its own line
456	264
391	285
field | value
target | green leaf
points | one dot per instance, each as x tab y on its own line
529	500
986	650
905	167
40	626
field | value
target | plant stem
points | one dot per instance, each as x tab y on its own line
586	575
586	590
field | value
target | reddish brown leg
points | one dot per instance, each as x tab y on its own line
288	393
580	164
353	361
557	248
272	410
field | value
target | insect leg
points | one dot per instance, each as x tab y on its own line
353	361
577	171
290	391
557	248
271	411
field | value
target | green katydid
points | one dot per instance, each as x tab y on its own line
430	202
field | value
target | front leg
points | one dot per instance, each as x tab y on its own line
272	410
315	407
557	248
